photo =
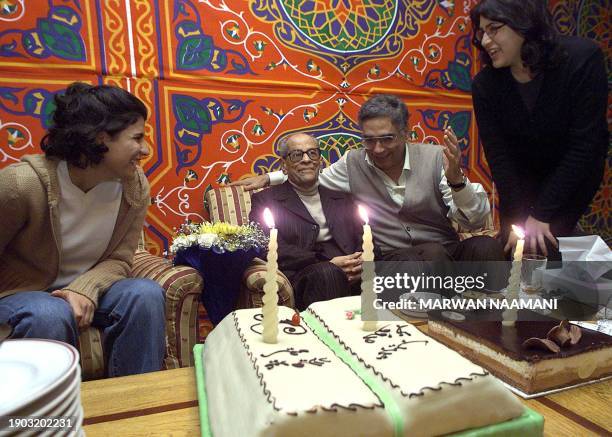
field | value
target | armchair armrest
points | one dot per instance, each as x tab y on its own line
182	287
253	282
487	230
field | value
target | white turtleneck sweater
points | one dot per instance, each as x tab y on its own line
312	201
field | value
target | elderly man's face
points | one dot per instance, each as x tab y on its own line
303	161
384	143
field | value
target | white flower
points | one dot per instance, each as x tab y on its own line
207	240
180	242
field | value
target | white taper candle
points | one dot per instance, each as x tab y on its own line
514	282
367	274
270	298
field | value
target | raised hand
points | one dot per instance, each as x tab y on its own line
452	157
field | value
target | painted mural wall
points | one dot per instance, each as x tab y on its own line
224	80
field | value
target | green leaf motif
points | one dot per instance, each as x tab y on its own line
460	76
460	122
61	40
191	116
194	53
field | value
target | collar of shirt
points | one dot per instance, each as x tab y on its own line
395	189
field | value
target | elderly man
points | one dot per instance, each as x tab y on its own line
318	231
413	190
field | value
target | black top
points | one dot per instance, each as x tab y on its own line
530	91
548	162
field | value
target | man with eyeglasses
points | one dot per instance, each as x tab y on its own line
413	190
319	235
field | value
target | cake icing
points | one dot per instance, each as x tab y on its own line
427	380
295	387
329	377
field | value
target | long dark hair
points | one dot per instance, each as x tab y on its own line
82	113
529	18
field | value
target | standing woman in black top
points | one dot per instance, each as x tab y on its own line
540	103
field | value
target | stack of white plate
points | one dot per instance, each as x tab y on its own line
41	385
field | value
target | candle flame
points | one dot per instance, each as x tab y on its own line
363	213
268	218
518	231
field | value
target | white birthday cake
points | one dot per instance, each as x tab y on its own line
328	377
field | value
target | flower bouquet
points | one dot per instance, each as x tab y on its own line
220	252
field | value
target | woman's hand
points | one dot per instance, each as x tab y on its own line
82	307
535	233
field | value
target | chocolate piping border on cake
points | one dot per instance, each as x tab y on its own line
421	391
272	399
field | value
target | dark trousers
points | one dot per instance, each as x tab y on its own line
323	280
481	248
434	258
319	282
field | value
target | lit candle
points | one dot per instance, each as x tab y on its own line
514	282
367	274
270	298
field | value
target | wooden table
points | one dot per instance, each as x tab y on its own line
166	403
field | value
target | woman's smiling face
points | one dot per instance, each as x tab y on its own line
502	43
125	150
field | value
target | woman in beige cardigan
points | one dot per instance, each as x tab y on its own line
69	226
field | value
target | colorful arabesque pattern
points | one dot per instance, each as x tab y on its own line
224	80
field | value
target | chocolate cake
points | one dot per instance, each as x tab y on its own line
525	355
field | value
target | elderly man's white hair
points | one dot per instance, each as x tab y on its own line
283	143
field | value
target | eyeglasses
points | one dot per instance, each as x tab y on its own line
385	140
297	155
491	31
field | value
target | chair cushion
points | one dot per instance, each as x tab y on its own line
182	286
92	356
228	204
487	230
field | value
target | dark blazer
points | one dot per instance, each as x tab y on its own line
547	163
297	230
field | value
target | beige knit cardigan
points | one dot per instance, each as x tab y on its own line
30	230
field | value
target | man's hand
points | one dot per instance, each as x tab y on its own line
82	307
535	232
452	157
351	265
252	183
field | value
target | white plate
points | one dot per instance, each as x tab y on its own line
47	405
75	411
31	368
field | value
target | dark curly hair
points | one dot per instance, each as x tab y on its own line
82	113
529	18
385	105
